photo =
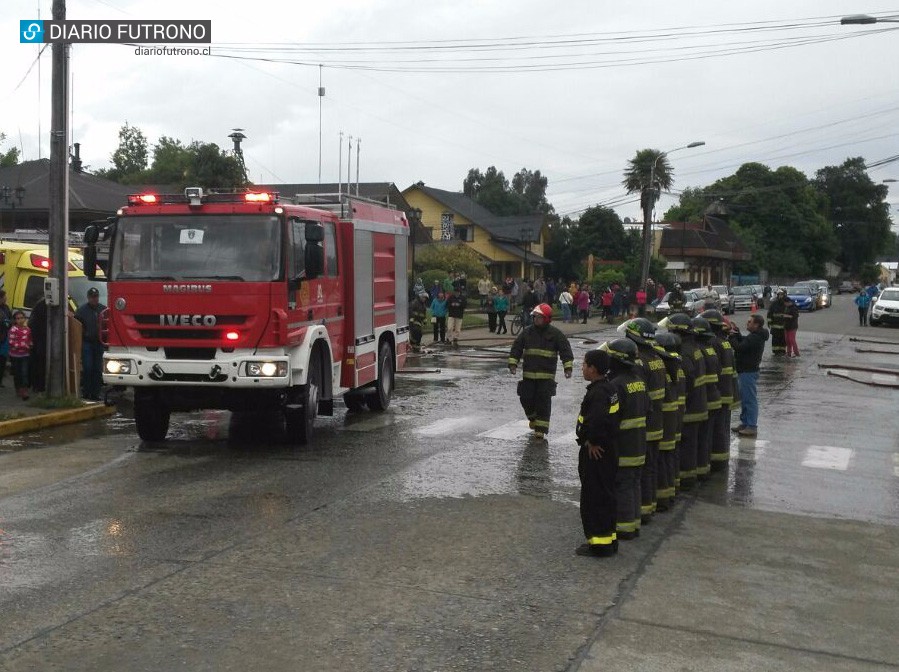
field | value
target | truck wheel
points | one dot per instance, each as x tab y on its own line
380	400
300	421
151	417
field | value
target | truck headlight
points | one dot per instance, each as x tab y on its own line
267	369
117	367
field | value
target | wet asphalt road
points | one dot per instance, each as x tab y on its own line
433	537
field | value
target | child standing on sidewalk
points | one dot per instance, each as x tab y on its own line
19	352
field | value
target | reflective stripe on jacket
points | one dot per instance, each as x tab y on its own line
634	405
653	369
539	347
693	364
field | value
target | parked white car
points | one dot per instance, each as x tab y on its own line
886	307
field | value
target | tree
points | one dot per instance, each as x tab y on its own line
214	168
648	173
9	157
130	159
857	208
776	213
453	257
171	162
177	165
491	190
531	186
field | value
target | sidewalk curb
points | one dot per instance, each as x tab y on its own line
54	418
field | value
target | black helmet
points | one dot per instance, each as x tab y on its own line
621	350
679	323
639	330
714	317
702	328
670	342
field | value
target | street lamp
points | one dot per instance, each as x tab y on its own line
647	212
526	234
864	19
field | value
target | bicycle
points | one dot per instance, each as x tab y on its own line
518	323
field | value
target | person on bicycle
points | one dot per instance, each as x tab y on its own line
539	345
528	302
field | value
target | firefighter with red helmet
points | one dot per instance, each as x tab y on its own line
538	347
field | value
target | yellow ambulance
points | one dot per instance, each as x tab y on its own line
24	267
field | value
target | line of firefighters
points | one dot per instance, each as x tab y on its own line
655	421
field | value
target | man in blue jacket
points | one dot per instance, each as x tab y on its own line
748	352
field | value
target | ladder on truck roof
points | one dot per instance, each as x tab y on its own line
336	203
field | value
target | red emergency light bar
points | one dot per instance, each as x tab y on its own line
237	196
142	199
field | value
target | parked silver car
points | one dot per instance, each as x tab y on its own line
744	297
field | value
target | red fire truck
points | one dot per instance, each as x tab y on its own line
246	301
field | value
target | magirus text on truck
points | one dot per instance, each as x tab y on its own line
244	300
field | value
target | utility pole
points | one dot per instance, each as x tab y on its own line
57	336
358	148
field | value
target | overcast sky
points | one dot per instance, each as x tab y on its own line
572	88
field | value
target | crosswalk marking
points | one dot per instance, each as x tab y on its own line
749	451
511	431
374	421
827	457
443	426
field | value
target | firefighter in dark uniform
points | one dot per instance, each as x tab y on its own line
597	436
539	345
676	300
642	332
777	315
667	345
727	385
704	335
634	405
695	410
417	313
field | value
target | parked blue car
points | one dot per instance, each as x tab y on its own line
804	297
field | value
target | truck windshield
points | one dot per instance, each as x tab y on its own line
197	247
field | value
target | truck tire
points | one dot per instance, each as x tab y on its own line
380	400
300	422
151	417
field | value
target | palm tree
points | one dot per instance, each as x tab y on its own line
648	172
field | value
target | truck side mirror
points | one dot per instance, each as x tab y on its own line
91	236
314	260
90	261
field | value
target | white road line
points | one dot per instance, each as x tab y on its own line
443	426
827	457
374	421
749	450
887	378
511	431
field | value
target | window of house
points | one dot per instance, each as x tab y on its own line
465	233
